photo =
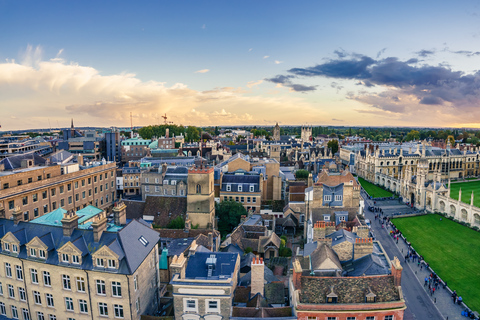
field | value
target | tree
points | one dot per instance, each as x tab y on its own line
192	133
285	252
177	223
301	174
228	214
333	145
451	140
412	135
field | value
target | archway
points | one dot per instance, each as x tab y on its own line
464	215
442	206
412	198
476	220
452	210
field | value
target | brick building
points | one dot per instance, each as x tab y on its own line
38	189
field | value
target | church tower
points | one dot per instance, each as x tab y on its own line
201	197
276	132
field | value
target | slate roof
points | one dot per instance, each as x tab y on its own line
15	162
348	289
240	313
235	180
125	243
245	281
322	254
224	267
134	208
368	265
342	235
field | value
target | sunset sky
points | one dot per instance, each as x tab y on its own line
351	63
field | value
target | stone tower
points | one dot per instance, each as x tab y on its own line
276	132
201	197
306	133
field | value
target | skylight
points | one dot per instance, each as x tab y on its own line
143	241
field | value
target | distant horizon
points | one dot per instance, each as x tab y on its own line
408	64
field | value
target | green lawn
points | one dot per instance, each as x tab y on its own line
373	190
467	188
452	250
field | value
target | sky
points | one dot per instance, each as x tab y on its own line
349	63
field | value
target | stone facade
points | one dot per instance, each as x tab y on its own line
70	191
201	197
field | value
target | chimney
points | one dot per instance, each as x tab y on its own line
188	224
362	247
397	272
69	223
120	213
17	215
193	248
167	133
257	276
99	225
178	266
210	241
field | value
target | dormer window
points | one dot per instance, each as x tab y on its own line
252	188
100	262
229	187
112	264
33	252
6	246
65	258
75	259
41	254
240	188
14	248
370	297
332	296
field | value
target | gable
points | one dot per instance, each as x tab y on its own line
70	248
37	243
105	252
10	238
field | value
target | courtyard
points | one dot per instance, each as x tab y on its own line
467	188
373	190
452	250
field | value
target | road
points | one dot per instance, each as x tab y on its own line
419	304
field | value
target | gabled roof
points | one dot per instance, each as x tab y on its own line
324	258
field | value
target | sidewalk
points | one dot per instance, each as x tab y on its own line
442	298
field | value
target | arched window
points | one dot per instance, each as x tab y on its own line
199	188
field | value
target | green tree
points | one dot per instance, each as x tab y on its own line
333	145
177	223
228	214
285	252
412	135
192	134
451	140
301	174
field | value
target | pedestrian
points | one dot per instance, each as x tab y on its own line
433	290
426	281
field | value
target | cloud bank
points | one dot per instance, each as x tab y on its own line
36	92
402	89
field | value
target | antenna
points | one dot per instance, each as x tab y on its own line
165	118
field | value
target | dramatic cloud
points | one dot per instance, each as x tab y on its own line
36	92
202	71
408	88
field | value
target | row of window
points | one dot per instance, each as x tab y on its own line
66	283
327	198
165	182
240	188
11	203
241	199
165	191
69	306
61	188
191	305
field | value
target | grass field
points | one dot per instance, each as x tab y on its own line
467	188
452	250
373	190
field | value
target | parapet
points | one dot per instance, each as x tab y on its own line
200	170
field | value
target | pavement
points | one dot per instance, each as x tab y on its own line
420	303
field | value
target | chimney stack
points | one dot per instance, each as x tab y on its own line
257	277
210	241
178	265
397	272
99	225
17	215
120	213
69	223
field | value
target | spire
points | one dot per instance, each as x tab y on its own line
471	199
72	127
